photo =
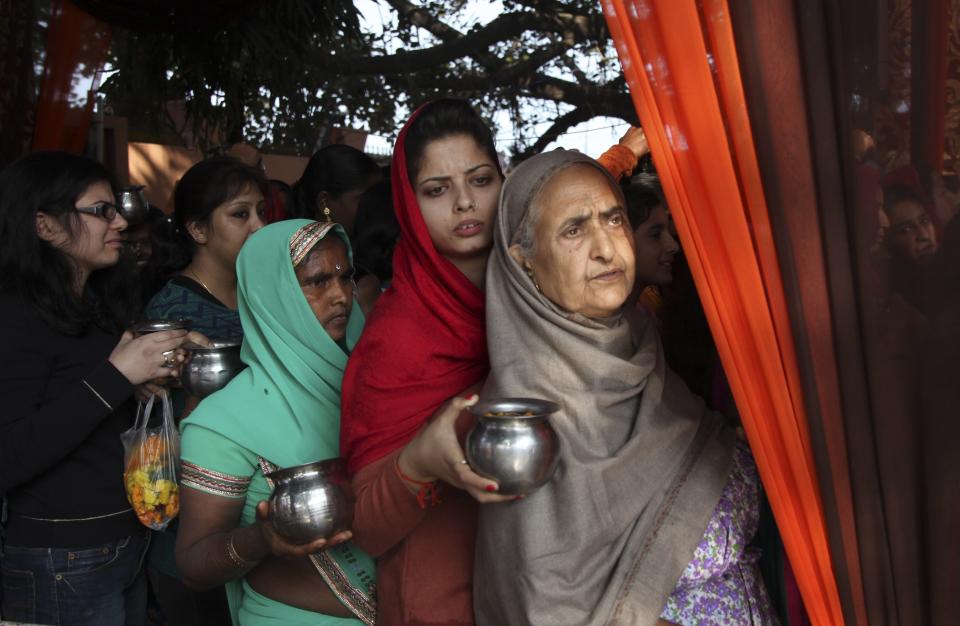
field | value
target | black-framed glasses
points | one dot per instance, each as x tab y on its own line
102	209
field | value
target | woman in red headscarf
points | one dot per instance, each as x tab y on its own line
422	355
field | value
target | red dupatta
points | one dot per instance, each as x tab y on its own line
424	342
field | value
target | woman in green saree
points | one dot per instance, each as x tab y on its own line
295	297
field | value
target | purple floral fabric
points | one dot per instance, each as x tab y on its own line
722	586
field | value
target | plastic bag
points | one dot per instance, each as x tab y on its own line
152	465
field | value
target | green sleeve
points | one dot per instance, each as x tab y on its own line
212	463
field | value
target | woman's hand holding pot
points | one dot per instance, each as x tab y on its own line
435	454
279	546
150	356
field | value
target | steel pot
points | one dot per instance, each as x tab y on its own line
209	368
513	443
146	327
132	204
311	501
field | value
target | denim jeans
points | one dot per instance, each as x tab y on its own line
103	585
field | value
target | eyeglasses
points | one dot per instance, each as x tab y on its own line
104	209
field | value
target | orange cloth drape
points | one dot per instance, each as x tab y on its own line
76	46
681	64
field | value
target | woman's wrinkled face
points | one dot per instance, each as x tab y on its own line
583	259
95	242
230	224
326	278
911	234
656	248
457	188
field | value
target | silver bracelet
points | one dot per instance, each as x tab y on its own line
238	560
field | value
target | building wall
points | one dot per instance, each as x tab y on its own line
158	168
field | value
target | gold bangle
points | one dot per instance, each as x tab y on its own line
238	560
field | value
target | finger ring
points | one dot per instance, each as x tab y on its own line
168	359
463	461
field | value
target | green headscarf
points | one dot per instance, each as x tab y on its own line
286	405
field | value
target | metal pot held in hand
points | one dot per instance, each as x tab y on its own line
311	501
513	443
210	368
145	327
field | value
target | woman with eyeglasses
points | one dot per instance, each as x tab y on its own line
73	547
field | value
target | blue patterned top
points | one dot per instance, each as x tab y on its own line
185	298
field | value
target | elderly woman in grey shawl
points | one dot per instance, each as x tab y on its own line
655	499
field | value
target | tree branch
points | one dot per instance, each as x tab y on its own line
596	99
584	26
559	126
572	28
516	72
421	18
538	85
571	65
502	28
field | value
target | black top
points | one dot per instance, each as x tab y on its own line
63	408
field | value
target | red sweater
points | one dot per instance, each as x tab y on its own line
423	553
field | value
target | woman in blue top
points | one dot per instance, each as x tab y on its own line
218	204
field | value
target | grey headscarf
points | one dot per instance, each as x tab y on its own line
642	464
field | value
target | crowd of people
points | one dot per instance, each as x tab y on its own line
909	256
375	307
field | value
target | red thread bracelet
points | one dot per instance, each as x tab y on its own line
428	492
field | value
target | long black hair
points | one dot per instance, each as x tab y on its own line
443	118
335	169
51	183
643	194
377	232
205	186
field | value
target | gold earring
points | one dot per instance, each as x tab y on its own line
534	279
327	216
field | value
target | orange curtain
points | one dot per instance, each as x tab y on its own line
76	46
681	64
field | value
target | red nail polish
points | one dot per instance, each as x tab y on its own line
491	487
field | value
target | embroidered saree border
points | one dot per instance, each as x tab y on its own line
214	483
304	239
